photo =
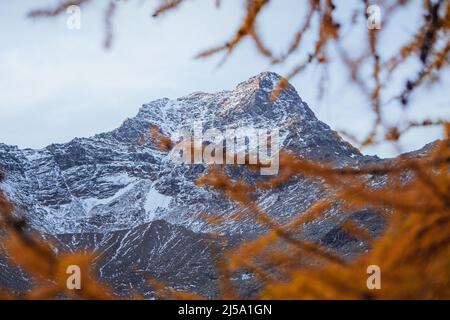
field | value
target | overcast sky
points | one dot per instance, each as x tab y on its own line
57	84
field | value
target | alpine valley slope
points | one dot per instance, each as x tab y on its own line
113	194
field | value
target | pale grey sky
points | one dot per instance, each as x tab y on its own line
57	84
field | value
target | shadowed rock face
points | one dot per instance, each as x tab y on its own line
114	194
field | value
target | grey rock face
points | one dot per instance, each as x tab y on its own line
114	194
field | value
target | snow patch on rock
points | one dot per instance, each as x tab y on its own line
154	201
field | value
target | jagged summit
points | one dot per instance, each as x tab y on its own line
249	104
265	80
259	86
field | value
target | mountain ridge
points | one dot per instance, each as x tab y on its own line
118	150
110	193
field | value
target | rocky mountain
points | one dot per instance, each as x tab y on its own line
120	194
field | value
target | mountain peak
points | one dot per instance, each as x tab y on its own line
265	80
117	193
267	75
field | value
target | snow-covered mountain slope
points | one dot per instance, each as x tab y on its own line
118	192
113	181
